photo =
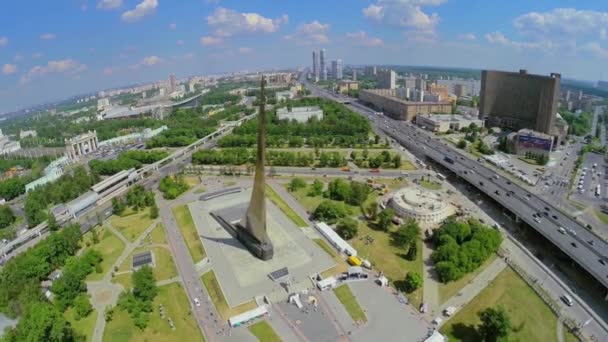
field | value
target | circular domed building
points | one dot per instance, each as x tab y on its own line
426	207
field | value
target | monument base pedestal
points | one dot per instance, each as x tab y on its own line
229	219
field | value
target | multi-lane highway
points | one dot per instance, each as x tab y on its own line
582	245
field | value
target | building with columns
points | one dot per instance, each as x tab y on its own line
81	145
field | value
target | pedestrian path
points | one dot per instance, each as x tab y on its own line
430	285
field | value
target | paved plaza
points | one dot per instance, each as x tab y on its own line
241	275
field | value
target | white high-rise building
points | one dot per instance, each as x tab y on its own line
323	65
336	69
315	66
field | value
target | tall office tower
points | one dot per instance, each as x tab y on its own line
568	95
420	84
370	70
580	95
519	100
315	66
336	69
386	79
172	83
354	75
323	65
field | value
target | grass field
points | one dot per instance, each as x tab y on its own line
158	235
229	183
346	297
326	247
447	291
388	258
110	247
192	181
430	185
602	216
218	299
188	230
392	184
285	208
132	225
84	326
531	319
408	165
264	332
164	266
173	298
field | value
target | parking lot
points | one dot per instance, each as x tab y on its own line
591	179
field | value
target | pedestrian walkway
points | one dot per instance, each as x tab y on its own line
472	289
430	285
291	202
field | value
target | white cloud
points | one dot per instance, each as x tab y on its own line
245	50
467	36
109	4
64	66
314	32
362	38
48	36
227	22
498	38
563	22
404	13
189	56
596	49
151	60
172	26
8	69
179	42
3	41
18	57
209	40
146	7
36	55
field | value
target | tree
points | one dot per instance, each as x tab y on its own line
358	193
407	234
42	321
6	216
372	210
495	324
339	190
353	155
365	154
376	139
296	184
118	207
413	280
396	161
461	143
385	217
144	284
347	228
330	211
82	306
154	212
52	223
316	189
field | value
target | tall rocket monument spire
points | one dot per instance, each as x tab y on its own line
255	218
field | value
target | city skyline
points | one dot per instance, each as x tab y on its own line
81	46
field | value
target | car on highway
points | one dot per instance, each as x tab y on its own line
537	220
197	302
561	230
567	299
572	232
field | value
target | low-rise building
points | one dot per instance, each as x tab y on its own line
442	123
300	114
527	141
7	146
387	101
346	86
28	133
285	95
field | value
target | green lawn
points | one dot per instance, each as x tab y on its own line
192	181
285	208
532	320
346	297
326	247
602	216
176	304
218	299
229	183
188	230
110	247
264	332
430	185
392	184
158	235
132	225
84	326
388	258
164	267
408	165
447	291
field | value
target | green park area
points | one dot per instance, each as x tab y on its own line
218	299
285	208
109	245
346	297
188	229
377	246
84	326
531	318
132	223
602	216
264	332
450	289
431	185
164	267
177	306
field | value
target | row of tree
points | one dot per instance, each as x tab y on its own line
461	247
172	186
240	156
137	198
138	301
126	160
384	159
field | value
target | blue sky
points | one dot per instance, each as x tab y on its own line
51	49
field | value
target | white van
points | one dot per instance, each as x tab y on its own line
567	299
